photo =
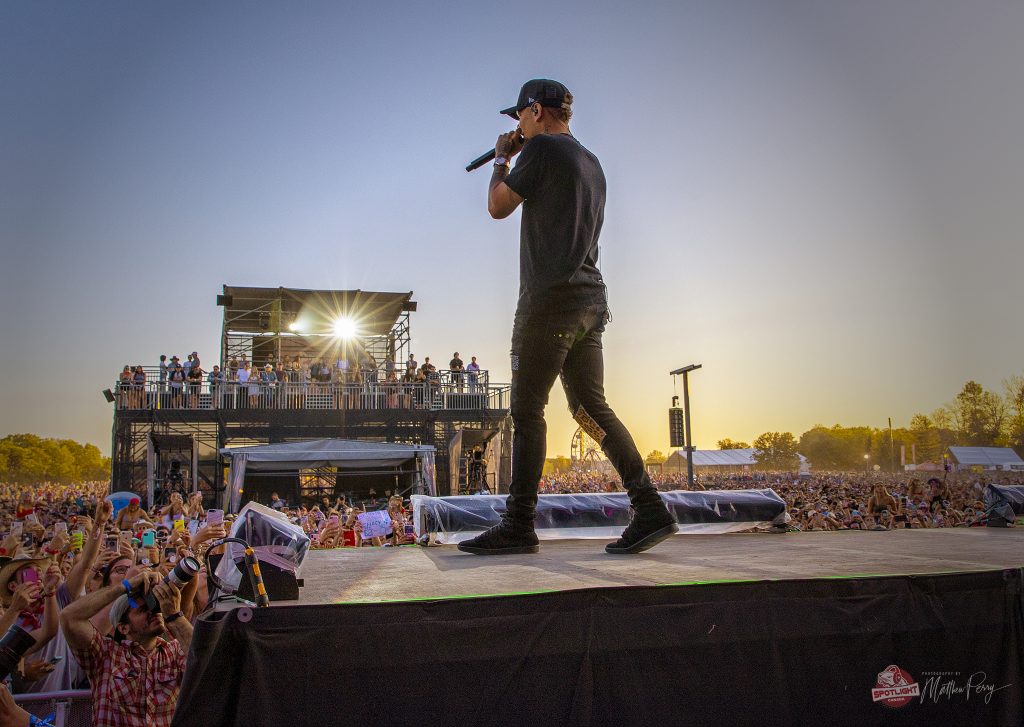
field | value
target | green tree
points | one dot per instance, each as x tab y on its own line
557	465
776	451
827	449
1013	432
655	457
28	459
729	444
978	415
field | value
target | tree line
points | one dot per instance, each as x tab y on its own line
27	459
975	418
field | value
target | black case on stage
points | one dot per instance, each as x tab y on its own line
281	585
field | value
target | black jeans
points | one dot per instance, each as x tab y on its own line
567	344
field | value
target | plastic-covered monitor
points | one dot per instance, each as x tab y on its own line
274	539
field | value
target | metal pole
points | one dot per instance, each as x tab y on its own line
892	449
686	425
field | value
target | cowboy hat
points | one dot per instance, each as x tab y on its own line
11	568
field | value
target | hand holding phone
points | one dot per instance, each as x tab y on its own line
214	516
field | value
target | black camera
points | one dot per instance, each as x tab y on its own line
183	572
13	646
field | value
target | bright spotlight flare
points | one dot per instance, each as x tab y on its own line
345	328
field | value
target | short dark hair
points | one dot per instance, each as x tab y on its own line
564	113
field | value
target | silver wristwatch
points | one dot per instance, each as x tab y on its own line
501	161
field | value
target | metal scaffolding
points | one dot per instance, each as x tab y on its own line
156	428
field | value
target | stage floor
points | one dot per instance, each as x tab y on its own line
412	572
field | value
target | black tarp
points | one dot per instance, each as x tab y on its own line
1013	495
783	652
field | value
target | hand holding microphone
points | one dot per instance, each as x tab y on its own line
508	145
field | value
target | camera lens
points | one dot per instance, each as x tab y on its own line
183	572
13	646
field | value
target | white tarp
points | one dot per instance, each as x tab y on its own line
597	514
340	453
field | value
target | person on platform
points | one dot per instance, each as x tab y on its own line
215	379
561	314
163	371
457	368
473	374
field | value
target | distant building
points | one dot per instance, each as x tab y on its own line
985	458
717	460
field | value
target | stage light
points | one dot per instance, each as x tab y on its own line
108	395
295	327
345	328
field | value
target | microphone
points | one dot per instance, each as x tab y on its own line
480	161
484	158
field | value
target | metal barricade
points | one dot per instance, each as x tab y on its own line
72	708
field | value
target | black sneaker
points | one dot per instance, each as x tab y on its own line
502	539
643	533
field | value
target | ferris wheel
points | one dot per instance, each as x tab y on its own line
585	452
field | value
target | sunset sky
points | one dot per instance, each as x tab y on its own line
819	202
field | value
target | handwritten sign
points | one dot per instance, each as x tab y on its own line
376	524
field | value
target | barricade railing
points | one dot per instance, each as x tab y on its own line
71	708
441	393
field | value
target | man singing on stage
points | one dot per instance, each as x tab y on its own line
561	315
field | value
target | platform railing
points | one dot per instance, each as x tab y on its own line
442	393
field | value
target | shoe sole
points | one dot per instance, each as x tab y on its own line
512	550
647	543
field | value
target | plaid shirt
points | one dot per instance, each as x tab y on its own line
130	687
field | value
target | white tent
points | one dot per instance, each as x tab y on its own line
989	458
722	459
340	453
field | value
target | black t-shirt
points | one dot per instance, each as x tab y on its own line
455	364
563	186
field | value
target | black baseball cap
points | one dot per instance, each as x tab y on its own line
543	91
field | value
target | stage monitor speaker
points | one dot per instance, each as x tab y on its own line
281	585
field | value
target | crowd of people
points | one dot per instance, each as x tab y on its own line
832	500
87	585
336	524
346	382
75	575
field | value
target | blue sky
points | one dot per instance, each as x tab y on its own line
820	202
